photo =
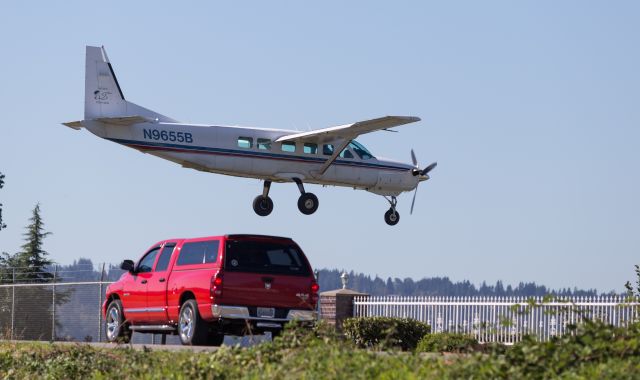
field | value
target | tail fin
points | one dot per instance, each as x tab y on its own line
103	97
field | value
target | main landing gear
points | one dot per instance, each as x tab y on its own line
307	203
262	204
392	216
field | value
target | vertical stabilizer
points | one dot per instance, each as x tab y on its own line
103	94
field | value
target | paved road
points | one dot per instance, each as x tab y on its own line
139	347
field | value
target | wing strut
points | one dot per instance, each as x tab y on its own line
333	157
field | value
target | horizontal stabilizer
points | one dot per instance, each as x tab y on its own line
77	125
125	120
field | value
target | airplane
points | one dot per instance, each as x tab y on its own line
328	156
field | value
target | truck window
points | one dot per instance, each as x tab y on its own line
265	257
146	264
200	252
165	257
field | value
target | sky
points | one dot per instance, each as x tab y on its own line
530	108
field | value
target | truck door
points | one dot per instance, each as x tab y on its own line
135	292
157	287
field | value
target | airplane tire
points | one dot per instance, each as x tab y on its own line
262	205
308	203
392	218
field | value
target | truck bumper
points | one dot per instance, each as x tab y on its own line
242	313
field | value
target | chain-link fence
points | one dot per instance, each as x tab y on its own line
64	304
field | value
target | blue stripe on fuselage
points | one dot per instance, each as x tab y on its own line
244	153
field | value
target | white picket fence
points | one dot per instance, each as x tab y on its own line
500	319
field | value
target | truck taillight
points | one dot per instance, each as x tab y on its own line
216	285
314	293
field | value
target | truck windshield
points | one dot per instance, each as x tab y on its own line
265	257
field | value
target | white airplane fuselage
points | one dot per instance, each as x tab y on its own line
328	156
216	149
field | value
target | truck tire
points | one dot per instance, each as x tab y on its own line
117	330
191	328
215	339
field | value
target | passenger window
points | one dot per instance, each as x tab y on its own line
165	257
289	147
346	153
264	144
327	149
201	252
245	142
310	148
146	264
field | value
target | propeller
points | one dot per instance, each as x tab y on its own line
417	172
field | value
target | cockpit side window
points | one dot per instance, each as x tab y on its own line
360	150
327	149
346	153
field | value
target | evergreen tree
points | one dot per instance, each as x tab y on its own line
32	260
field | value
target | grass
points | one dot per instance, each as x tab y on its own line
591	351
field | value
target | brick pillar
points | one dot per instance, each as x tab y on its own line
337	305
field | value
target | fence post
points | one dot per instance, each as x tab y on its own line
13	301
53	308
100	305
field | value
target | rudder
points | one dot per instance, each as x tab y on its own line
103	95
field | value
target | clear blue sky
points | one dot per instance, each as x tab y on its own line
531	108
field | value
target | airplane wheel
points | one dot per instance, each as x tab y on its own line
308	203
262	205
392	217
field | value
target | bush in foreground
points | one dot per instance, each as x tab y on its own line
447	342
385	332
594	351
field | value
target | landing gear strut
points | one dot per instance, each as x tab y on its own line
392	216
262	204
308	202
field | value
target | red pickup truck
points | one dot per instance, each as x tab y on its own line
204	288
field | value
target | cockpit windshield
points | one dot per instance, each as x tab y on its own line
360	150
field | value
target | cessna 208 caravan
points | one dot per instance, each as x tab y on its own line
329	156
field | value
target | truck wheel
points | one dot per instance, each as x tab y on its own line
117	329
191	328
215	339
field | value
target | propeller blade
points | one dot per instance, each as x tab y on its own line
413	158
429	168
413	202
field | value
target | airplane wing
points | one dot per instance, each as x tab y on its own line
350	131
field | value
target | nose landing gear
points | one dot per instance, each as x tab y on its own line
392	216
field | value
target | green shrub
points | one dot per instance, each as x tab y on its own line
447	342
385	332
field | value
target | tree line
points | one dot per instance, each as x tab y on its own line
329	279
32	264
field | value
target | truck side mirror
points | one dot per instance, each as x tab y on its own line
127	265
